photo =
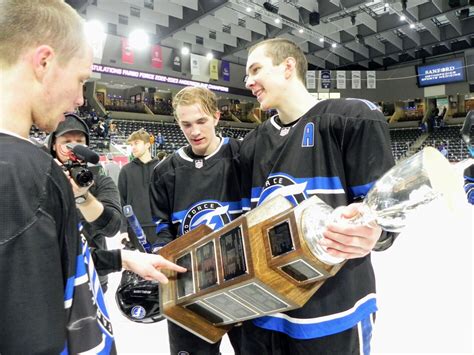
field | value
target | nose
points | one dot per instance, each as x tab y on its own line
249	82
80	99
195	131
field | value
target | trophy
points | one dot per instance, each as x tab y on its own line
270	260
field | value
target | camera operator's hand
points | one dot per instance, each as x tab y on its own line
78	190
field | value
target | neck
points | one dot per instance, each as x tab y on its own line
146	157
15	110
211	148
296	103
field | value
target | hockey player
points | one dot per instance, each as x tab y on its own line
50	292
198	184
335	149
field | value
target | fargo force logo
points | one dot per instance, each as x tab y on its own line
280	184
210	213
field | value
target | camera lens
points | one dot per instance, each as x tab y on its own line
82	176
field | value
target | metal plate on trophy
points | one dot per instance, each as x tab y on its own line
260	298
209	313
206	262
280	239
301	271
185	281
233	259
230	306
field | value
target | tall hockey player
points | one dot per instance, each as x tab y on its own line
198	184
335	149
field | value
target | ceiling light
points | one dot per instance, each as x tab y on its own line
248	9
93	27
412	25
402	18
334	45
185	51
321	40
209	56
277	20
300	30
138	39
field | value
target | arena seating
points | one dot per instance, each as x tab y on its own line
402	139
450	137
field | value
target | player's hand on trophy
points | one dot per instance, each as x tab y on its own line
349	241
148	266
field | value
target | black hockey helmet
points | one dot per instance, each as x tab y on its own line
138	299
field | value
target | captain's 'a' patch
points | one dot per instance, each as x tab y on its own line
308	135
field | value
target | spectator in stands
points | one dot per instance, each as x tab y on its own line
177	199
161	156
111	168
160	141
302	147
433	116
134	186
440	118
99	203
444	150
51	302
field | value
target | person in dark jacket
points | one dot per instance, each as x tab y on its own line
134	186
52	302
98	203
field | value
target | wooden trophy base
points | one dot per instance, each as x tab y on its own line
259	264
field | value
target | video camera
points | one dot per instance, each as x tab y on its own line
78	157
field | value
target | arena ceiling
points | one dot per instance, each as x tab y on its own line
334	34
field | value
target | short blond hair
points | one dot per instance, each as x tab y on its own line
140	135
196	95
25	24
278	49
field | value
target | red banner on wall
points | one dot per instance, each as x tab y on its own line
156	57
127	52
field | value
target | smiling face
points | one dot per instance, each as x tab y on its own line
62	151
199	128
266	80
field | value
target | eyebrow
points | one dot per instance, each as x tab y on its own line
250	68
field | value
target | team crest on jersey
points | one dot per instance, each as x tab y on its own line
210	213
284	131
199	163
280	184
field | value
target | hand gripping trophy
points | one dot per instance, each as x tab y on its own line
270	260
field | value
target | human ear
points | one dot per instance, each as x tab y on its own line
42	58
290	67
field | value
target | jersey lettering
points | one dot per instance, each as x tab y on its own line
308	135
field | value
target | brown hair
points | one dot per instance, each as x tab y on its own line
25	24
191	95
140	135
278	49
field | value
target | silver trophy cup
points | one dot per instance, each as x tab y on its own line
402	190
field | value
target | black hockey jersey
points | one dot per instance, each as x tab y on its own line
336	151
188	191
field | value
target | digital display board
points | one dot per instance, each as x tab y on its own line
441	73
